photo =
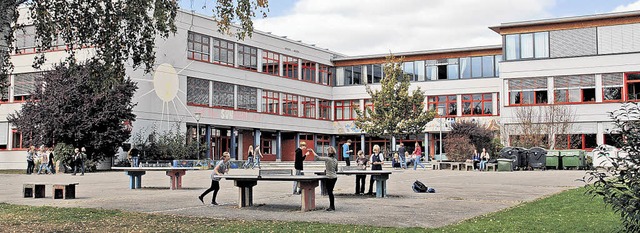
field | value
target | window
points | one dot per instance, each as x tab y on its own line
632	83
223	95
613	140
24	85
448	102
270	63
326	75
289	105
198	47
576	141
487	66
290	67
247	98
476	67
308	107
346	109
247	57
353	75
415	70
197	91
527	46
442	69
324	109
528	91
368	105
17	140
223	51
574	89
270	102
477	104
374	73
612	85
268	146
498	59
309	71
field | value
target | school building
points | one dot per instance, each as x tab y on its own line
277	92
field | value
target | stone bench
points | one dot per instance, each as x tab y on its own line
64	190
456	165
469	164
271	172
35	190
493	166
350	168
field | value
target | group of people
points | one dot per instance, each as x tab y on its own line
403	157
44	156
480	159
253	157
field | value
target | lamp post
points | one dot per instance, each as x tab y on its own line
197	115
441	114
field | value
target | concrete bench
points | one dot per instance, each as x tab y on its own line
350	168
64	190
493	166
469	164
456	165
35	190
271	172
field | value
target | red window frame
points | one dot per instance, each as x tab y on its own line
289	105
583	141
220	49
309	71
270	63
203	44
434	101
567	93
625	89
308	106
246	50
368	104
482	101
324	110
325	75
346	104
270	102
19	145
290	67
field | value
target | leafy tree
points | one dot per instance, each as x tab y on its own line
620	186
479	136
77	106
168	145
458	148
397	111
118	30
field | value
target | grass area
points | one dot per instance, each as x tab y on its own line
570	211
14	171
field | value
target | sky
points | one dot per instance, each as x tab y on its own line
362	27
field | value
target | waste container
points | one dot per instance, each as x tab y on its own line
573	159
521	161
511	153
505	165
537	157
553	159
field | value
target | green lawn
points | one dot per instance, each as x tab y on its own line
570	211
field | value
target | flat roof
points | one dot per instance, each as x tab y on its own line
569	19
422	52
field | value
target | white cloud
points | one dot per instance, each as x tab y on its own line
358	27
629	7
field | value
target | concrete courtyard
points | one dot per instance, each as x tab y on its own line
459	195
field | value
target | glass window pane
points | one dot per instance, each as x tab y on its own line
512	47
487	66
526	43
432	73
575	95
419	68
497	64
542	44
476	67
408	69
452	72
465	67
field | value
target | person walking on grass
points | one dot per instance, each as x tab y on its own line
298	165
346	152
220	169
330	168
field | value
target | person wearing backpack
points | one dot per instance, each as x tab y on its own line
376	160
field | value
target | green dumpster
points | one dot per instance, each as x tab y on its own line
573	159
505	165
553	159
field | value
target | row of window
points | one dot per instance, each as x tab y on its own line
616	87
573	141
472	104
201	46
451	68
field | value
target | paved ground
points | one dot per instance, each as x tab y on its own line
459	195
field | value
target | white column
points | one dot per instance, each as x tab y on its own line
259	98
259	60
550	91
279	103
599	94
317	109
300	106
317	73
494	97
210	93
299	69
600	133
235	54
235	97
459	107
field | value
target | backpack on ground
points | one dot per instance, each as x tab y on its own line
419	187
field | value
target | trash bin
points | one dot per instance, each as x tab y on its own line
505	165
573	159
553	159
537	157
521	161
512	154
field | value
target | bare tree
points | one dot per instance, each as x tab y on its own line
544	126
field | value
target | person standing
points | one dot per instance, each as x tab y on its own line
346	152
134	156
52	163
403	159
44	161
221	168
484	158
377	160
30	157
77	162
298	165
418	154
257	155
330	169
362	162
